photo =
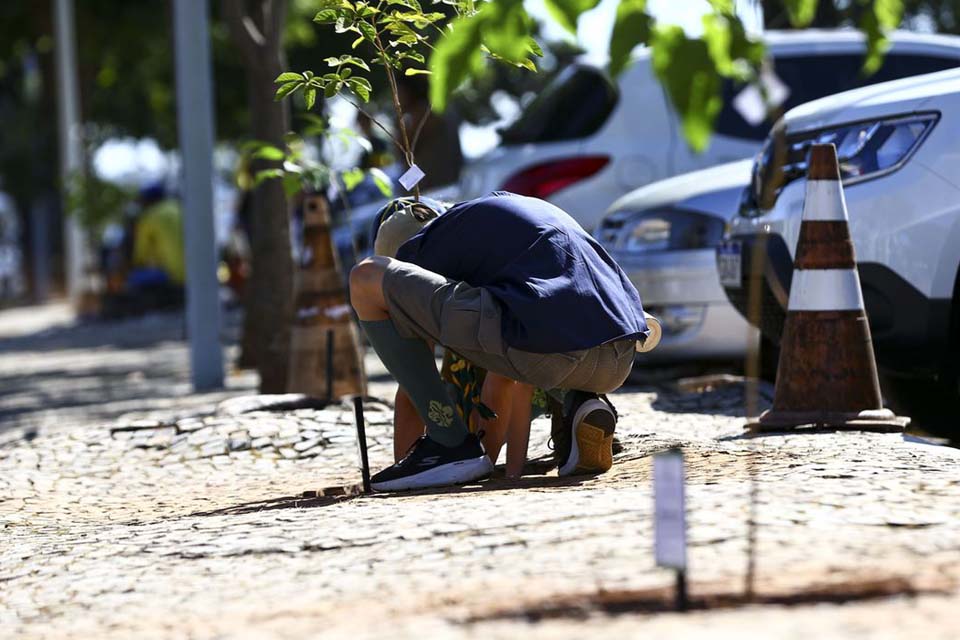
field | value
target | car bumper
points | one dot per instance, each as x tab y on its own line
682	289
910	331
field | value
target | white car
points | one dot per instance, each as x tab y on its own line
664	237
900	164
585	140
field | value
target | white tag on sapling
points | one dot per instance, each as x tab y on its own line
670	526
412	177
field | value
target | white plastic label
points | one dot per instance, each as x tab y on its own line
337	312
750	103
670	520
412	177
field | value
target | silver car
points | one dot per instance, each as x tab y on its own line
664	236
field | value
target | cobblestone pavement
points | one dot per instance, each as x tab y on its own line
160	514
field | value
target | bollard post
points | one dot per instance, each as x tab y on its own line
670	519
362	442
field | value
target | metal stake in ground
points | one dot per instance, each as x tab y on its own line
362	442
670	519
330	366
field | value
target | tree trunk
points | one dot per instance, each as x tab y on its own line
257	29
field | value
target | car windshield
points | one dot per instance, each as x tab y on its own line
575	105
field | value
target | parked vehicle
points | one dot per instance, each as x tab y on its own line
900	165
664	236
586	140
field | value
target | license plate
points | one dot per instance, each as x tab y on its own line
730	264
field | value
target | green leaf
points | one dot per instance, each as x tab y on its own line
309	97
456	57
412	55
356	43
291	184
368	31
889	13
286	90
289	76
331	89
688	73
383	182
345	73
801	12
267	174
326	16
875	20
268	152
505	28
502	26
352	178
361	87
534	47
334	61
416	72
722	6
567	12
734	53
631	27
526	64
409	4
315	125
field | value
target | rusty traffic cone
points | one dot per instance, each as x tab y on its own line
325	357
827	374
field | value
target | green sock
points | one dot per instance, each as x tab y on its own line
410	361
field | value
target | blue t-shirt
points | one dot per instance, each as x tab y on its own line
559	289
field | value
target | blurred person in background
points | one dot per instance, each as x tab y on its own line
379	154
157	265
12	283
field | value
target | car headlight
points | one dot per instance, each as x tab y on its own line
865	150
666	230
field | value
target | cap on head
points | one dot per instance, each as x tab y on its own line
401	219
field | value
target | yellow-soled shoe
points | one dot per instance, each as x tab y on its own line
589	423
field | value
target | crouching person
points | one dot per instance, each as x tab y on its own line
514	285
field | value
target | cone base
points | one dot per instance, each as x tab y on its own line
882	420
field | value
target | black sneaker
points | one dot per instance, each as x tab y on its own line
430	464
583	439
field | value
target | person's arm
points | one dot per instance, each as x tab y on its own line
497	394
510	400
518	432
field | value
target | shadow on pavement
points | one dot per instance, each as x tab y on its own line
330	496
663	599
98	334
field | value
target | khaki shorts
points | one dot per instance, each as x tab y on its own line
466	320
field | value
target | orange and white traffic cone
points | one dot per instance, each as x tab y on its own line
827	374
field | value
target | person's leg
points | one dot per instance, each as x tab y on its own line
449	453
407	425
583	440
409	360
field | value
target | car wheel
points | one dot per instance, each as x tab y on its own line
933	404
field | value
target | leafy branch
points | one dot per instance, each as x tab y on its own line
690	69
399	34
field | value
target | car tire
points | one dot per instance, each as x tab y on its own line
933	404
